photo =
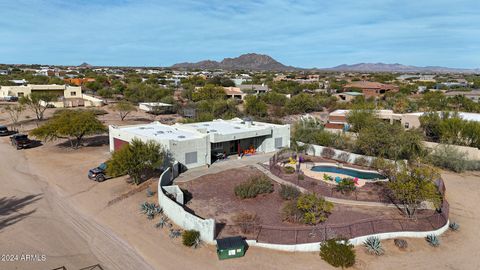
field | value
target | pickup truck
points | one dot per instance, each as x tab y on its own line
21	141
99	173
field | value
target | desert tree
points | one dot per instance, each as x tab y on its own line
414	184
73	125
124	108
137	159
14	112
34	103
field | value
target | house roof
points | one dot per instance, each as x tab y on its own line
233	91
367	84
351	93
230	242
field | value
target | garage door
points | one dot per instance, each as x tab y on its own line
117	144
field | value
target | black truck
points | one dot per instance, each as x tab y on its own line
21	141
99	173
4	131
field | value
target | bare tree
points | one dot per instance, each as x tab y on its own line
14	112
124	108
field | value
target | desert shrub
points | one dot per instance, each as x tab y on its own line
99	111
301	176
288	169
344	157
256	185
190	237
291	213
472	165
289	192
246	221
400	243
338	253
346	186
328	153
308	209
361	161
448	157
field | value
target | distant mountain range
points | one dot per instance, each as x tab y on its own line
253	61
249	61
381	67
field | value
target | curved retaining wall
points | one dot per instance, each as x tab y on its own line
314	247
176	213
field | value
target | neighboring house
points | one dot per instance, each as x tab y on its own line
3	72
155	107
337	119
254	88
67	96
78	81
199	144
473	95
234	93
371	89
347	96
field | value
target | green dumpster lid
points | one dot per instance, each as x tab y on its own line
230	242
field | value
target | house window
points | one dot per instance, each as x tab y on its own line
73	93
190	157
217	146
20	94
407	125
278	142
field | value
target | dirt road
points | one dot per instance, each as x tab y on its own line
36	220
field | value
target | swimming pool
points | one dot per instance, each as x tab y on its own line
348	171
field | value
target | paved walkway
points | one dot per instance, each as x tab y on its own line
219	166
330	199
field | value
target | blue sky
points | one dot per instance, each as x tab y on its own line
300	33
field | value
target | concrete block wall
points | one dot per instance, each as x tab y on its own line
315	247
175	212
316	150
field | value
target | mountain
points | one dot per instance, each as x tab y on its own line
85	65
382	67
250	61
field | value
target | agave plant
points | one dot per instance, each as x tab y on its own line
374	246
149	192
174	233
454	226
433	240
163	222
400	243
150	209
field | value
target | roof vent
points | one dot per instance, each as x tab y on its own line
213	130
181	137
206	125
237	127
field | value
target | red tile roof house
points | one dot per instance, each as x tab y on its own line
371	89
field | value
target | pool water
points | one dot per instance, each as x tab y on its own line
349	172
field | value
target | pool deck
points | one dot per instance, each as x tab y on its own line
307	170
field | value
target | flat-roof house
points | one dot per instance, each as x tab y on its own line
67	96
199	144
254	88
473	95
155	107
371	89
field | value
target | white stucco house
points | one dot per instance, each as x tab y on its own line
198	144
67	96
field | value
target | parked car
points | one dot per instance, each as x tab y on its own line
21	141
99	173
4	131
